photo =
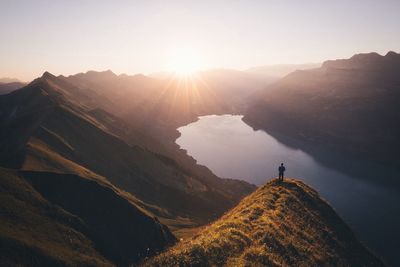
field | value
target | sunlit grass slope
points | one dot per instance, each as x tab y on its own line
281	224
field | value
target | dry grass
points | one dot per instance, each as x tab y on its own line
281	224
41	157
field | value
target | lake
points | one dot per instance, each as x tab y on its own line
362	193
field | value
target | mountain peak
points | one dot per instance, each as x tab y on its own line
106	72
371	55
392	54
364	61
47	75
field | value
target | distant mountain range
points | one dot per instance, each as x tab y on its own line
9	80
281	70
350	105
181	98
6	88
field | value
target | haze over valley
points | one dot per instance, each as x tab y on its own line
153	133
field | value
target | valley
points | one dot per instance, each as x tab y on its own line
199	133
124	136
51	128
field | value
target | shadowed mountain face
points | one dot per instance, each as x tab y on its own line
49	125
50	219
121	231
281	224
95	167
350	105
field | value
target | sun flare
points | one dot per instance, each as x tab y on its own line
185	61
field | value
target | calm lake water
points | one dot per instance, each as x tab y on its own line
232	149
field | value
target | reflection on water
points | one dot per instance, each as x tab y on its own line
232	149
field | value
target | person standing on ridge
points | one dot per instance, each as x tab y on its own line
281	170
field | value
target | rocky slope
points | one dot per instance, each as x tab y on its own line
281	224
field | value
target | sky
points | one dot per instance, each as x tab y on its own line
70	36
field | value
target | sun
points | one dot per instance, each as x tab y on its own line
185	61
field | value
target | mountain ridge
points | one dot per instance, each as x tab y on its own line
117	132
280	224
348	105
57	131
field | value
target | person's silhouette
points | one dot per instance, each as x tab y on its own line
281	171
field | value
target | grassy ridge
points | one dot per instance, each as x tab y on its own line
281	224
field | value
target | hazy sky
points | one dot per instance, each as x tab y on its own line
65	37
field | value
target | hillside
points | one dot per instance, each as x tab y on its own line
281	224
6	88
49	219
49	126
151	109
350	105
281	70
